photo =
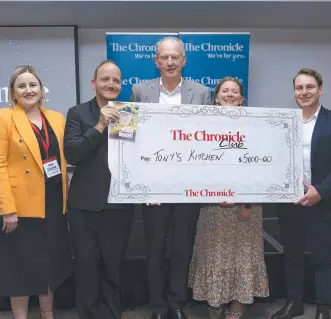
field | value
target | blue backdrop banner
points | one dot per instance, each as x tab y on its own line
133	53
213	56
210	57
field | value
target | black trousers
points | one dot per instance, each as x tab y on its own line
99	241
312	226
182	219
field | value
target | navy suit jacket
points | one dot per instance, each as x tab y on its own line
321	158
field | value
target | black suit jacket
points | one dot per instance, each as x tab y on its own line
320	158
87	149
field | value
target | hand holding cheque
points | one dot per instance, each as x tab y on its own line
108	113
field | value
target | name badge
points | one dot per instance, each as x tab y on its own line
51	167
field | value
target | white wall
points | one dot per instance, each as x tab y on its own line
276	55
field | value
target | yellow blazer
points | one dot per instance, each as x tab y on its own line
22	182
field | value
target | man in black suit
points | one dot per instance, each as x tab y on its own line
99	230
310	217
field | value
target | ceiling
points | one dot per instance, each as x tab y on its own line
168	14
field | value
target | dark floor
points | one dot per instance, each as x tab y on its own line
258	311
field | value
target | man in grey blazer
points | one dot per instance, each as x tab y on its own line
170	88
191	92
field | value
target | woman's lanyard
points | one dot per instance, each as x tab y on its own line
45	142
50	165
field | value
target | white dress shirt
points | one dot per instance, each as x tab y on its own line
308	128
174	97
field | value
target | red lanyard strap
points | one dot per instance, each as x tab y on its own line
45	142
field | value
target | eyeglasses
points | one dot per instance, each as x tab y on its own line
172	57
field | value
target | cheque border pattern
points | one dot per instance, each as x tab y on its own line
274	192
292	174
187	110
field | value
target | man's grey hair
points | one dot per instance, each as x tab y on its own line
179	41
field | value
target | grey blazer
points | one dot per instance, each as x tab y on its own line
192	92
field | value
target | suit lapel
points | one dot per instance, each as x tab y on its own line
318	129
154	96
25	130
94	115
155	91
187	95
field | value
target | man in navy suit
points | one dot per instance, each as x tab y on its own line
309	219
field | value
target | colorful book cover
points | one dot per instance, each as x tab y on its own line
126	127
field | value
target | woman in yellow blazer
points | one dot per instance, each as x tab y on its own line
34	243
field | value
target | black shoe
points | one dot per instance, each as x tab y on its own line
176	314
322	312
289	310
159	316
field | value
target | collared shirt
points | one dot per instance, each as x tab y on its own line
174	97
308	129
